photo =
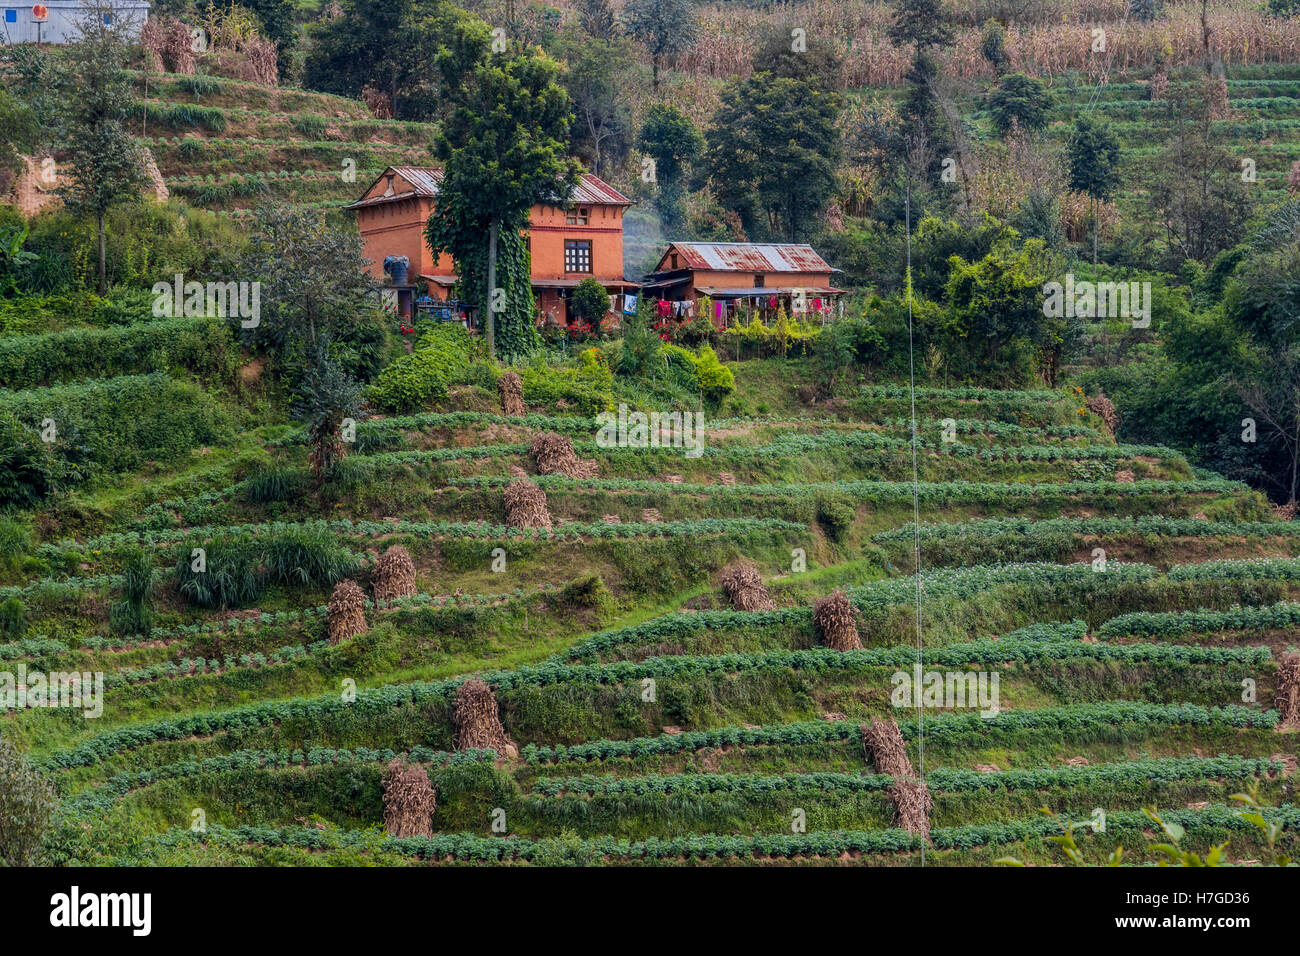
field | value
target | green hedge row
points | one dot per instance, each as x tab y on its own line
203	346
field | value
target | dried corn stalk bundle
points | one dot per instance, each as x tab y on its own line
884	746
1099	404
409	800
1286	700
526	505
347	611
511	387
837	622
553	454
394	575
478	725
745	587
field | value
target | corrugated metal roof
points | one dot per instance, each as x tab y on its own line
590	189
751	257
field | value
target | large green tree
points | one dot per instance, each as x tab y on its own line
1020	102
98	99
602	127
387	45
773	147
1093	159
314	288
674	145
504	150
663	27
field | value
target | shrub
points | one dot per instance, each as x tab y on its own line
13	618
836	516
203	346
111	425
442	354
27	807
132	614
225	575
276	483
15	541
587	389
590	303
235	568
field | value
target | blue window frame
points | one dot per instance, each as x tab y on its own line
11	16
108	19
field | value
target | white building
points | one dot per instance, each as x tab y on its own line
18	25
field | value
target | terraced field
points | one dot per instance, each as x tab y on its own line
228	145
1135	615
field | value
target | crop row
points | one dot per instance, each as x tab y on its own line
1169	623
578	425
957	727
114	788
1029	396
348	528
1149	525
252	625
798	444
941	780
936	582
470	847
201	345
944	492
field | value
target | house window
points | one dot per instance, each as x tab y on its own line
758	281
578	217
577	255
672	261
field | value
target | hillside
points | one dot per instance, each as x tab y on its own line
372	580
1119	687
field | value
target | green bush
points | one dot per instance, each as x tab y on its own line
109	426
13	618
203	346
587	389
836	516
235	569
277	483
441	355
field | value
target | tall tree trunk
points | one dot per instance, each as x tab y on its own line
654	68
489	322
103	255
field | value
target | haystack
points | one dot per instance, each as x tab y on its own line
837	622
745	588
1286	701
511	387
394	576
554	455
1099	404
884	746
478	725
347	611
526	505
409	800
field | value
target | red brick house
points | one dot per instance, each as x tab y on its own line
743	277
566	245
